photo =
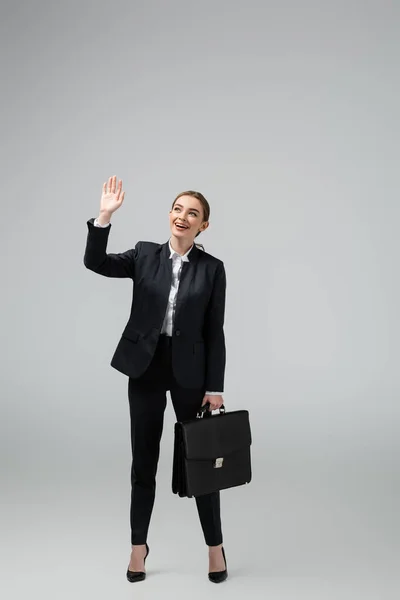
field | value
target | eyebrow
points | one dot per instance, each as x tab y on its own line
176	204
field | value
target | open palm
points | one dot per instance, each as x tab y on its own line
112	196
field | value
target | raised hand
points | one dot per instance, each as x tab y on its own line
112	196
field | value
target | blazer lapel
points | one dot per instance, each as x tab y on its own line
187	275
164	276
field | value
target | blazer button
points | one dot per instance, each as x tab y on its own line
177	332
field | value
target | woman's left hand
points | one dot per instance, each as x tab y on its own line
215	401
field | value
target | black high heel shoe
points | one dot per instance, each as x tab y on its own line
133	576
219	576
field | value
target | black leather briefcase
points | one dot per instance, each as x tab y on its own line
211	452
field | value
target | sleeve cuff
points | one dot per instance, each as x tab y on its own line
97	224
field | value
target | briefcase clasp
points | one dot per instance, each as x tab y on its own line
218	463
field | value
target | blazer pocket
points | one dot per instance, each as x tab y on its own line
131	334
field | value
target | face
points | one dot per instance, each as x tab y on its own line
188	211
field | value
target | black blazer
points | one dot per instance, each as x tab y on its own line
198	340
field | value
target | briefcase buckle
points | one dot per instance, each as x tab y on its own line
218	463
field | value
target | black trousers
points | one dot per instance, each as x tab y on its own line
147	402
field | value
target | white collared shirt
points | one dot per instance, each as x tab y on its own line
177	262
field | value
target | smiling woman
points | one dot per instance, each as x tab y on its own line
174	340
190	213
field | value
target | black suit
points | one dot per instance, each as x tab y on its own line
198	347
187	363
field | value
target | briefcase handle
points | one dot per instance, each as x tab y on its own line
203	410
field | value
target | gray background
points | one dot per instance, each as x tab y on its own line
285	115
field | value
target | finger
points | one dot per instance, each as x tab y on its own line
122	197
113	184
118	191
109	185
105	187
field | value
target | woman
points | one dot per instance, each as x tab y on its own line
174	340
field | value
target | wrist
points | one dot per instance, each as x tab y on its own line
104	218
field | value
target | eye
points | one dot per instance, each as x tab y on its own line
192	212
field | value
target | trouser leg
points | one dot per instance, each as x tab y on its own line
186	403
147	417
147	402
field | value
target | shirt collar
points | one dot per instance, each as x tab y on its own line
184	258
